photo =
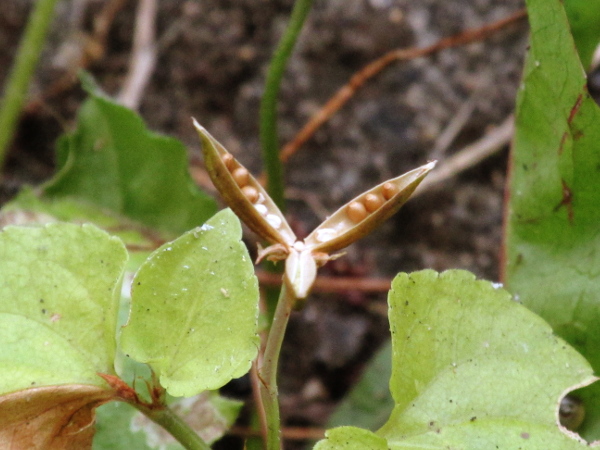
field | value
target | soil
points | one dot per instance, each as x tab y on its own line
211	65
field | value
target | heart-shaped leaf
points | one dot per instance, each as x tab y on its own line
473	369
195	309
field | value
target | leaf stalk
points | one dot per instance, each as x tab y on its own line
268	108
268	370
175	425
17	84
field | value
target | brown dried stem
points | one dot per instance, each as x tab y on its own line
344	94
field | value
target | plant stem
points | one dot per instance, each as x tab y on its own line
166	418
28	54
268	370
268	107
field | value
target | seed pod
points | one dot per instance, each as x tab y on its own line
219	164
339	230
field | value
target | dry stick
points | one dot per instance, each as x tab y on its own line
333	284
289	433
258	401
456	124
469	156
369	71
143	56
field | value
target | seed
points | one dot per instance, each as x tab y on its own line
250	193
389	190
229	161
372	202
274	221
262	209
326	234
356	211
241	176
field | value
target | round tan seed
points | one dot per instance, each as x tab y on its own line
372	202
356	211
241	176
250	193
229	161
389	190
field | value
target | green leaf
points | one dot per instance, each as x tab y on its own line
114	431
553	224
59	290
195	309
584	17
29	208
474	369
351	438
112	161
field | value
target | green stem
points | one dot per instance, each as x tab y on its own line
166	418
268	371
17	84
268	107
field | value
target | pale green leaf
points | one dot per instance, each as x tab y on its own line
29	208
59	293
472	368
351	438
195	309
464	352
553	225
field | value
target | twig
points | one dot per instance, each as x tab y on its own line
469	156
143	56
260	408
290	433
456	124
344	94
333	284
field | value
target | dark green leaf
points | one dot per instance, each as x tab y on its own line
113	161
